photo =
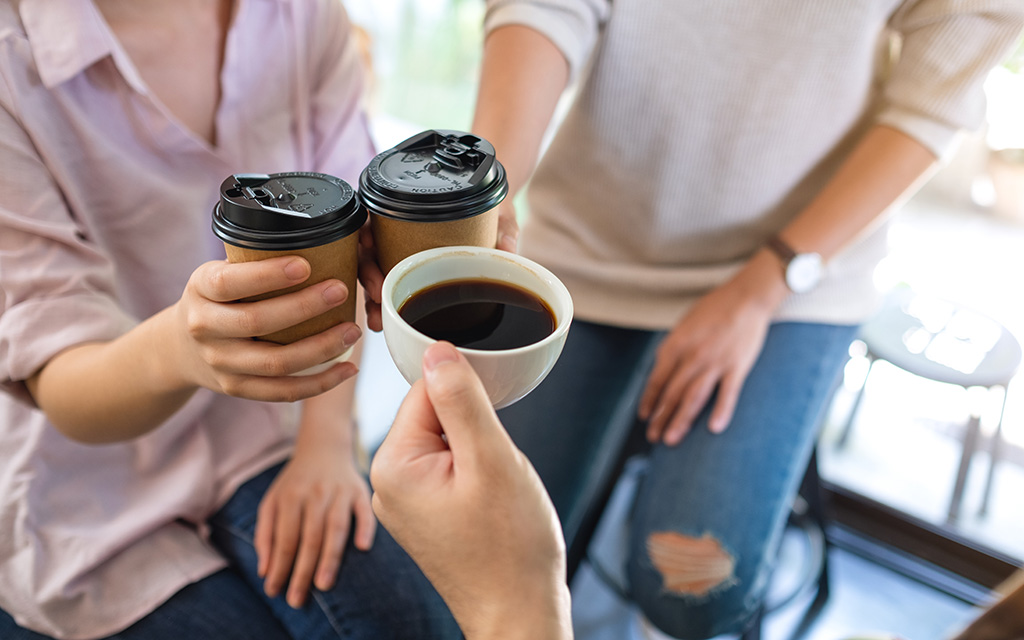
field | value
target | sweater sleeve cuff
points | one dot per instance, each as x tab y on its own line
33	332
575	43
938	137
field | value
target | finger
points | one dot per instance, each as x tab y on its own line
374	316
372	278
664	367
725	405
473	432
288	388
366	523
263	358
694	399
414	433
508	231
336	528
263	536
670	398
252	319
310	543
370	274
286	542
222	281
366	241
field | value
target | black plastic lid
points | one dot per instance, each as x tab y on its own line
436	175
285	211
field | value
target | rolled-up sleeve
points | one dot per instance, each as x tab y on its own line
57	289
571	25
948	48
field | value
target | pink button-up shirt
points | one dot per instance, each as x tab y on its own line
105	204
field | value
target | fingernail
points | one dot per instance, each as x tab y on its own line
717	425
335	294
351	336
296	270
438	354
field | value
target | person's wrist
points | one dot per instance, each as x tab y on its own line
318	439
762	281
171	366
537	612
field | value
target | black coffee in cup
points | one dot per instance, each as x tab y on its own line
313	215
477	313
439	188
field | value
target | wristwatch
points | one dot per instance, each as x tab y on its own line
803	270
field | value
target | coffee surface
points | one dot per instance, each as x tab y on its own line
479	314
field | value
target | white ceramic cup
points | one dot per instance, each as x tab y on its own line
507	374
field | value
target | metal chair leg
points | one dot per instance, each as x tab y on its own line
844	435
995	452
970	445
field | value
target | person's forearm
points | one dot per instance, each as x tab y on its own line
112	391
328	420
884	168
522	77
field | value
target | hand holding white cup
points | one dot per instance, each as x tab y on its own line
508	374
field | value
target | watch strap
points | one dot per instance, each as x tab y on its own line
781	249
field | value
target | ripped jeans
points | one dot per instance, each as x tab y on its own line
709	513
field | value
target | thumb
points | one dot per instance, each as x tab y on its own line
462	406
414	434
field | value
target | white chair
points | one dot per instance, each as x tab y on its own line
943	341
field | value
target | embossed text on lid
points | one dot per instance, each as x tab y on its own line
433	176
284	211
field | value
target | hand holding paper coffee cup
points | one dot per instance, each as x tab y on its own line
438	188
312	215
508	315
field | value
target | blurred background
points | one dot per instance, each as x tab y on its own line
899	445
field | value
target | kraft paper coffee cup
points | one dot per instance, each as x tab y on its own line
439	188
312	215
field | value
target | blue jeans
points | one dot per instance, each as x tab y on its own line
379	594
718	503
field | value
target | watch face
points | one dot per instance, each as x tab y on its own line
804	272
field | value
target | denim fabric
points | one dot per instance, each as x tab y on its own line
736	487
379	594
220	606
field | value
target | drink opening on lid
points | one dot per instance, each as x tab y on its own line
285	211
437	175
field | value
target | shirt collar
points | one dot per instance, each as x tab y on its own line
68	36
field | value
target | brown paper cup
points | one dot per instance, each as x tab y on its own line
337	259
396	239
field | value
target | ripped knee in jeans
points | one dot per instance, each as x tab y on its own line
691	566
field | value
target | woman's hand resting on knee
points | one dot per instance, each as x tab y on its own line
304	519
712	349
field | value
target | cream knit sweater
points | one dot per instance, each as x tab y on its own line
702	126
